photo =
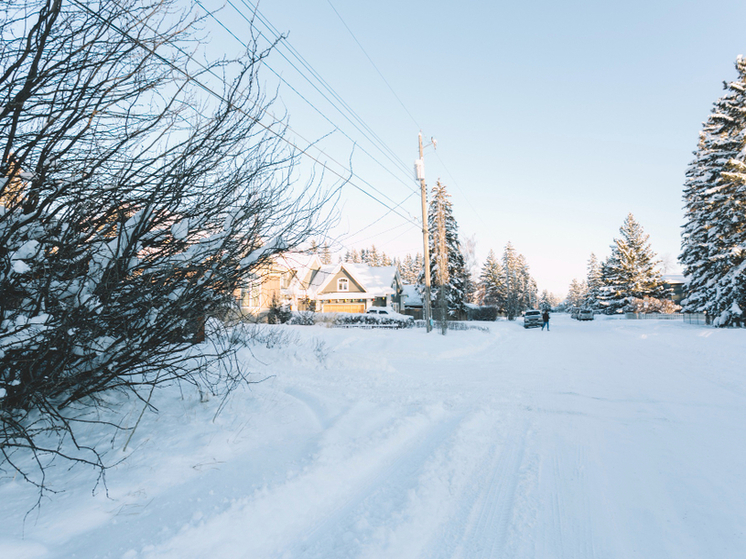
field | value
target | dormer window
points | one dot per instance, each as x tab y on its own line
343	284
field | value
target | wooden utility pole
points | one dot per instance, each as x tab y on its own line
425	242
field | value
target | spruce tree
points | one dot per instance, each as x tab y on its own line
631	269
714	237
577	293
492	283
326	255
594	283
445	251
512	287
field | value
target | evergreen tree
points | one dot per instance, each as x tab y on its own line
631	269
594	283
512	287
714	237
577	294
372	257
492	283
445	252
419	266
326	255
409	269
548	300
528	290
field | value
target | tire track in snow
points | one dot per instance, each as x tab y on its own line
342	531
486	533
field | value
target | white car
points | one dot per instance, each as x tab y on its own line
585	314
388	312
532	319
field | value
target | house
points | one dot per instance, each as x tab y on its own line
267	285
412	302
304	283
345	287
676	284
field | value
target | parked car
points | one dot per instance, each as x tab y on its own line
531	319
389	313
574	312
585	314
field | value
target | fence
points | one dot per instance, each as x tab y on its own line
653	316
452	325
689	318
696	318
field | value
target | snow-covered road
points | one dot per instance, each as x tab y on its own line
609	439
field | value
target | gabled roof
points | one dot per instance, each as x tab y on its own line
375	281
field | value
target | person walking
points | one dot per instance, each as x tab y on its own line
545	319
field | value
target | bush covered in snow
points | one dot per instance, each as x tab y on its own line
352	319
651	305
126	218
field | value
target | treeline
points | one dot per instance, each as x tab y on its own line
506	284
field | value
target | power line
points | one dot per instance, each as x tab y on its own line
223	100
311	104
459	188
374	64
279	39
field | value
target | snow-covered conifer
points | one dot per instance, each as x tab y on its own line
714	236
445	251
577	293
631	269
492	283
594	283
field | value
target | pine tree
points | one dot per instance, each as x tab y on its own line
631	269
512	287
326	255
492	283
577	293
594	283
446	252
409	270
372	258
714	237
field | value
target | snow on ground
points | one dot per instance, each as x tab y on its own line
610	439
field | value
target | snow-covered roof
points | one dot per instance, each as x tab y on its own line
376	281
410	296
674	278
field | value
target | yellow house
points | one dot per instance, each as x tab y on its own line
302	282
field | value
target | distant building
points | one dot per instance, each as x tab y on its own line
412	301
676	284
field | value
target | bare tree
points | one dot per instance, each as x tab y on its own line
137	191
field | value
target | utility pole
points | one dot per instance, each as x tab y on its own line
420	167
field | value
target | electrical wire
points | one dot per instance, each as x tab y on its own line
374	65
219	97
279	37
367	132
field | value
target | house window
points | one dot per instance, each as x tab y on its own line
343	284
250	295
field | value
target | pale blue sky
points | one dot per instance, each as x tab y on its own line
553	120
